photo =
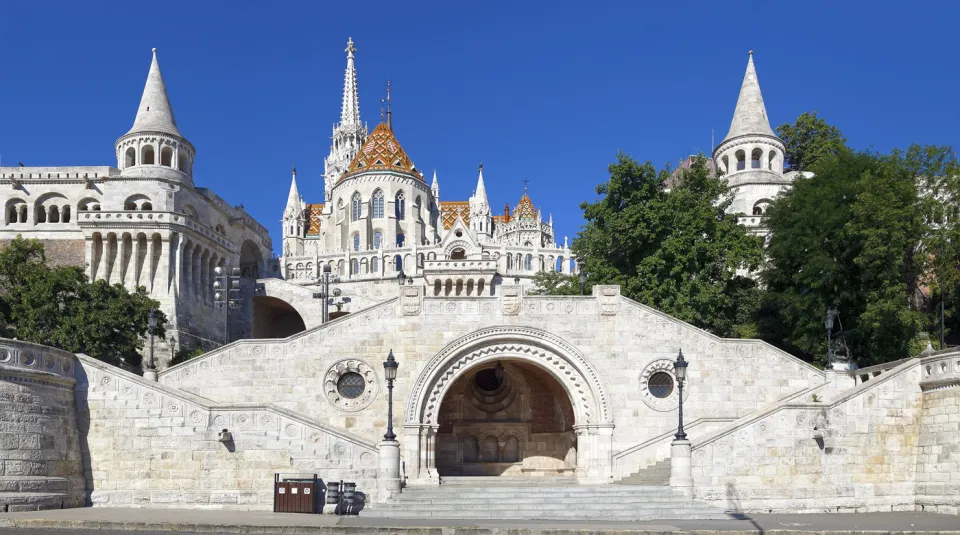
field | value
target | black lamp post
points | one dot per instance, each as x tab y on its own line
151	326
326	292
828	323
390	372
583	280
401	278
680	370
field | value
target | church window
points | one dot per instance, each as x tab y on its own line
377	239
509	261
356	242
355	267
398	263
356	206
378	204
400	238
528	263
351	385
375	265
400	207
660	384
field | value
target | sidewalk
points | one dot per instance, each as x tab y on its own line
220	521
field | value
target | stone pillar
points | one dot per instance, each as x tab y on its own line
681	470
148	268
388	473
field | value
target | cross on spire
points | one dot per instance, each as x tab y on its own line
525	182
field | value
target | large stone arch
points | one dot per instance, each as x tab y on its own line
553	354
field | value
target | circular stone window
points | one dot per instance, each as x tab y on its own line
660	384
351	385
486	380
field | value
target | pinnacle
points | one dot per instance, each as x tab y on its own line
750	116
155	113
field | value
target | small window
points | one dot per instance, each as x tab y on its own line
375	265
356	242
400	207
377	204
400	239
357	206
377	239
355	266
351	385
660	384
398	263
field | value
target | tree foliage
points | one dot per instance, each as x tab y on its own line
553	283
808	140
677	250
60	307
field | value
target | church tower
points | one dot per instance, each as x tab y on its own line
751	155
349	134
294	222
154	146
481	218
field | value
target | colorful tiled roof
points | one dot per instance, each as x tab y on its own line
525	209
449	210
382	152
314	212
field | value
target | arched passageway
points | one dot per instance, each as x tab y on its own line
275	318
506	418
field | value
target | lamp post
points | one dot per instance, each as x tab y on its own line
151	372
680	370
390	373
681	465
583	280
230	284
828	323
401	278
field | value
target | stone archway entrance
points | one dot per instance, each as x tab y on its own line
533	359
275	318
508	418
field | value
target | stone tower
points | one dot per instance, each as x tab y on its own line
154	146
294	220
751	155
349	134
481	218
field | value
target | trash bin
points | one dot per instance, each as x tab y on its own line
295	495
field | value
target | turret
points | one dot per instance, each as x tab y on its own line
349	134
435	188
481	218
154	146
751	154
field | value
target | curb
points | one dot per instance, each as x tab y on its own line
382	530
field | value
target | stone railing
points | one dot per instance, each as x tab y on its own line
652	450
137	217
35	359
454	266
862	375
939	371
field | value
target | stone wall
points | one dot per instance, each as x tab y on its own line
150	445
40	463
66	252
938	458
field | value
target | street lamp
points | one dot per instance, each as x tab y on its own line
226	295
401	278
828	323
680	370
390	373
583	280
151	326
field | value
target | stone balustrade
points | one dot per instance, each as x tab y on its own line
126	217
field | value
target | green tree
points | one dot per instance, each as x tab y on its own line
853	236
58	306
677	251
553	283
808	140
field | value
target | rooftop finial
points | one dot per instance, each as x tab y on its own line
389	113
525	181
350	48
751	52
154	51
481	166
381	109
294	170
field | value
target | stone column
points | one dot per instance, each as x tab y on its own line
388	473
681	469
150	268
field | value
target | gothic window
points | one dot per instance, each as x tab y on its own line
398	263
356	242
400	208
356	206
509	261
377	239
375	265
355	267
377	204
400	240
528	263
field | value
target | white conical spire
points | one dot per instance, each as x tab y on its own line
435	188
350	110
294	207
155	113
481	192
750	117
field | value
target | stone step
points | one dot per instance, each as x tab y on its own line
583	515
12	502
656	474
533	498
506	481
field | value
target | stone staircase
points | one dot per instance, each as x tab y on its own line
32	493
541	498
657	474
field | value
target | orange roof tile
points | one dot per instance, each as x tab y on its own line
449	210
314	212
383	152
525	209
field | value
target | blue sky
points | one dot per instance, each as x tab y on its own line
541	91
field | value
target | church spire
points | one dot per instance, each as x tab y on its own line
481	193
294	208
435	188
750	116
155	113
350	110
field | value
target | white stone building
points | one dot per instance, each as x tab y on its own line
143	222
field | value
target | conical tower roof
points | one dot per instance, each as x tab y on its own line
524	209
481	192
382	152
294	208
750	117
155	113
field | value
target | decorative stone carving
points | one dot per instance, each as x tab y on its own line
510	300
609	298
668	403
337	370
